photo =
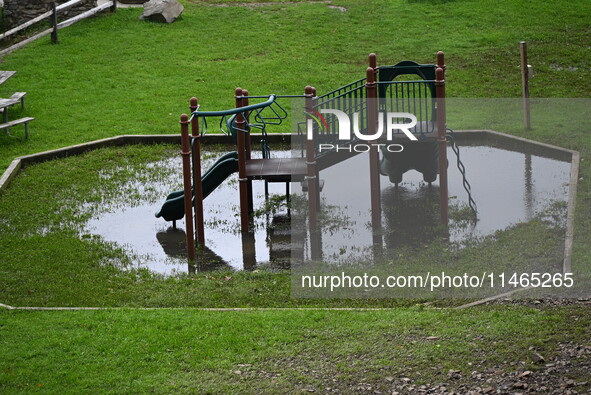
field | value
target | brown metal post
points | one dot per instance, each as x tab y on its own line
242	179
374	156
186	153
197	185
317	179
525	84
311	177
441	139
54	23
312	181
249	257
113	6
248	147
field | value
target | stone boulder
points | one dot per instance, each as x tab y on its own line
165	11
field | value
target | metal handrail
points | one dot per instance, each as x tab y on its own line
233	111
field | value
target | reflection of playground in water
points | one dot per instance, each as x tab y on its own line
410	216
174	244
278	240
510	185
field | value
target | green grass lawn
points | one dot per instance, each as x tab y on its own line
115	75
189	351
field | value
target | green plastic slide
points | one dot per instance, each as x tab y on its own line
174	207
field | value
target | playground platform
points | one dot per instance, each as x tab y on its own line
276	169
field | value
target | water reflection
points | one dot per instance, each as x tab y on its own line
510	185
174	245
410	215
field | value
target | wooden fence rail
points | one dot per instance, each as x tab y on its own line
52	14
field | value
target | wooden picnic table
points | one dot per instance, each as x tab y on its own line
5	75
4	104
17	97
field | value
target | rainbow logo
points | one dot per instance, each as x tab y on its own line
319	119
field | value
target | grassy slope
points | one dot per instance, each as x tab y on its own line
115	75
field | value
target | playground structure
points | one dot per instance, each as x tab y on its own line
367	100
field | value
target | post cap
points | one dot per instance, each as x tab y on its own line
439	74
440	58
369	73
373	60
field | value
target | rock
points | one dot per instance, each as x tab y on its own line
165	11
525	374
520	385
454	374
538	358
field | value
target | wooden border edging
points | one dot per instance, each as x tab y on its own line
127	139
570	212
214	309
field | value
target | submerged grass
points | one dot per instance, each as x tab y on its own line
55	262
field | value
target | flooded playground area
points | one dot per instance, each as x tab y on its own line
511	183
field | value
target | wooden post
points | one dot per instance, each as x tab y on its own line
248	147
197	184
374	163
54	23
312	179
249	258
441	139
525	84
374	156
317	179
113	6
242	179
186	153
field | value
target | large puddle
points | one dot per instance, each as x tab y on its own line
509	184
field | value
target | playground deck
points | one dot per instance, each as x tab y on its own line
276	169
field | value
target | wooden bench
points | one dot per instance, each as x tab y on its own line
25	120
19	96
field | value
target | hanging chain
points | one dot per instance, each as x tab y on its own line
462	169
